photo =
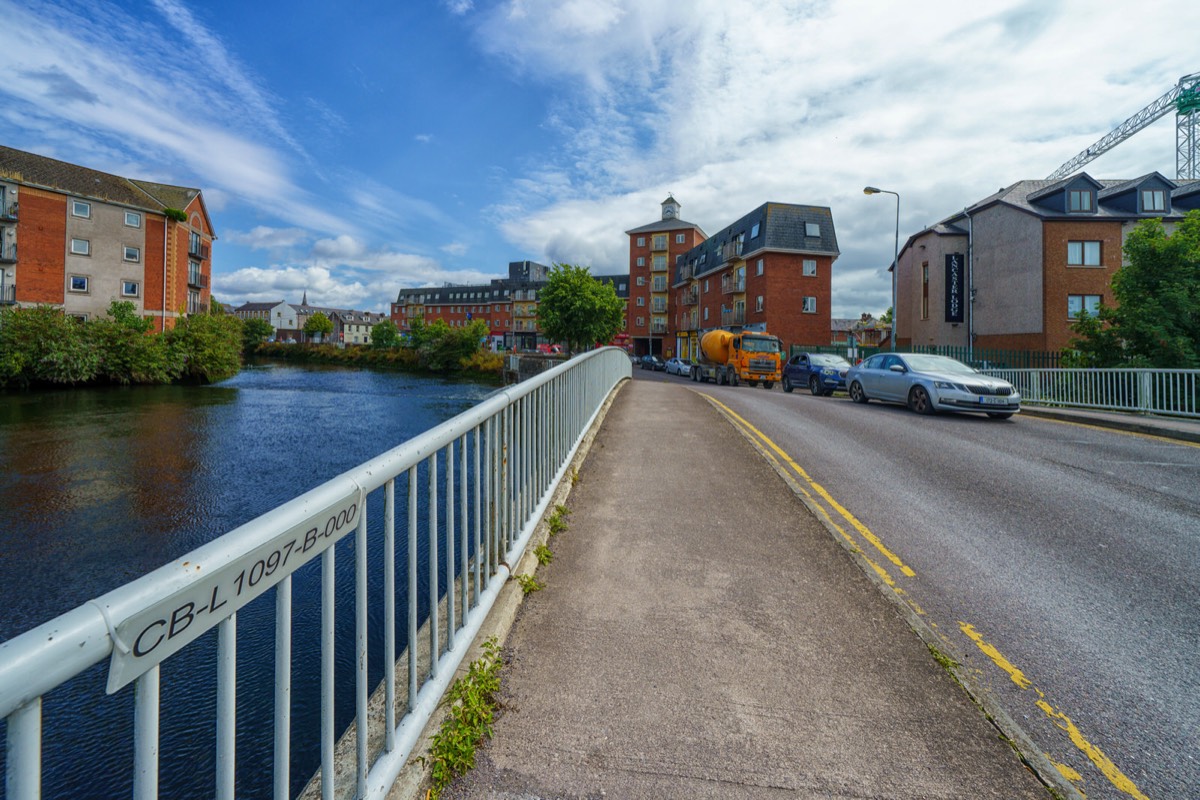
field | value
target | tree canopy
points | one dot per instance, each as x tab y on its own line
385	334
1156	322
255	331
577	309
319	325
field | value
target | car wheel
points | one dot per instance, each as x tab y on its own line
920	401
857	394
999	414
814	386
787	384
768	385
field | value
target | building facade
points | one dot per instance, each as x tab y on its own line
770	270
78	239
654	251
1015	270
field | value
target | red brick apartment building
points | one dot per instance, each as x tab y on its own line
1033	256
771	269
509	305
78	239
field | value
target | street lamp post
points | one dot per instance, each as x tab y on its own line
895	260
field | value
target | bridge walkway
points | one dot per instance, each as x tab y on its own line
702	635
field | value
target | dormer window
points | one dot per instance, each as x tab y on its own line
1079	200
1153	200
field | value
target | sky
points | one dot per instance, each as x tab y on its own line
352	150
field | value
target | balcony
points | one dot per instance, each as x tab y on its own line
197	250
658	264
731	251
733	284
689	324
9	213
8	254
658	306
658	326
686	272
8	294
735	317
197	279
689	298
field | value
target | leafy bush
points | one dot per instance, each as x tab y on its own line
127	353
385	335
255	331
210	347
42	345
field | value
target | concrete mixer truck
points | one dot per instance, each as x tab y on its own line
751	357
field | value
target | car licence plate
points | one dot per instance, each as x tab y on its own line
993	401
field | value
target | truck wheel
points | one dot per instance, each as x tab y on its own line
752	384
733	379
787	384
768	385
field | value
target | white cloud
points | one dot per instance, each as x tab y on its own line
424	138
264	237
737	102
455	249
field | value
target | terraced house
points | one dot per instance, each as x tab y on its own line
1016	269
78	239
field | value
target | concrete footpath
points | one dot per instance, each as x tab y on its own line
702	635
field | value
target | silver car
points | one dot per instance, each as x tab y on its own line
928	384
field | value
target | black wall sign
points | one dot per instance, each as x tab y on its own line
955	287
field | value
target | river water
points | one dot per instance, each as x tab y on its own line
100	486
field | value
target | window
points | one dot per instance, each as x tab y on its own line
758	303
1077	303
193	302
706	315
641	320
1083	254
810	305
680	238
641	241
1079	200
81	247
81	209
621	286
133	219
194	273
659	242
129	288
641	280
812	229
754	231
706	287
79	283
641	261
1154	200
759	267
641	301
810	268
133	254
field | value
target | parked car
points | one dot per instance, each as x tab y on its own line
653	363
928	384
677	366
822	373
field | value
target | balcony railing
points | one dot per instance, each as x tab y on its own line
686	272
689	324
198	279
8	294
8	253
735	317
689	298
733	285
658	327
731	251
9	212
198	250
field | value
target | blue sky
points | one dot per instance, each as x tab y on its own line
351	150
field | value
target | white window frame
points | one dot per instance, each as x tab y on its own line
658	241
706	315
135	216
641	301
125	289
641	241
641	280
641	321
680	238
759	267
86	247
136	252
641	261
810	305
812	229
1084	253
1157	198
86	284
809	268
758	304
706	287
86	207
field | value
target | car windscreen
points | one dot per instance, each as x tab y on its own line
760	344
829	361
937	364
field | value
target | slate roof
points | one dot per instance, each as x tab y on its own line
48	173
661	225
256	306
781	227
1022	194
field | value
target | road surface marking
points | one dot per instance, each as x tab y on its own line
1060	720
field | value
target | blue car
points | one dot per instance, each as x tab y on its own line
822	373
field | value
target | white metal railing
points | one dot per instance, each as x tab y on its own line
1172	392
509	453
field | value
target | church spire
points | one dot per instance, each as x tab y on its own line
304	300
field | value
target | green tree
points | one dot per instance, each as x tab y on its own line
209	346
385	335
255	331
577	309
886	317
440	347
128	352
43	345
318	325
1156	321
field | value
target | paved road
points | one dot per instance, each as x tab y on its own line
1059	561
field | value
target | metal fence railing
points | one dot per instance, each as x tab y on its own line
1170	392
465	498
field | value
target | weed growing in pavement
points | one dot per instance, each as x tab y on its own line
472	702
530	584
557	522
574	476
543	554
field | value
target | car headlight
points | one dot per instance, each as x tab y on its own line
945	385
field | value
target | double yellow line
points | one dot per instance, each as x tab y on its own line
840	518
